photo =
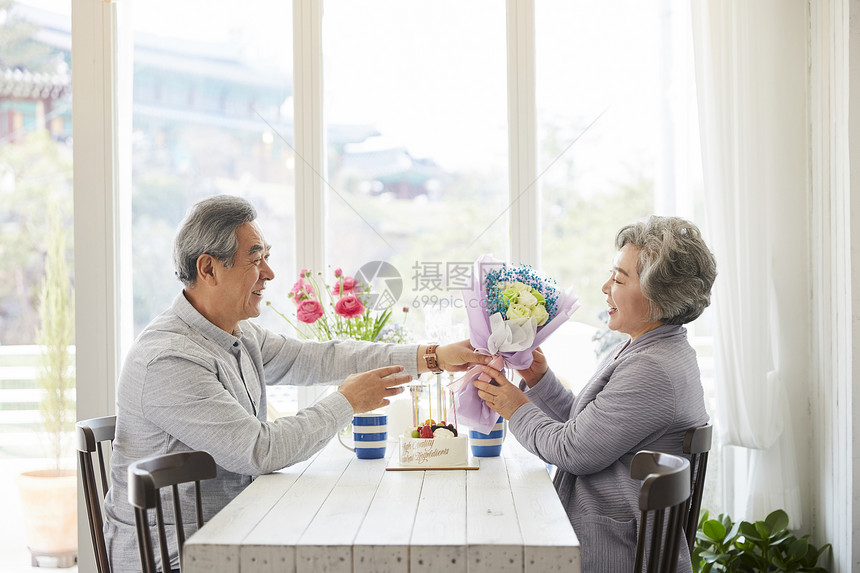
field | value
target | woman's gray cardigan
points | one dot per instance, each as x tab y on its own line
644	397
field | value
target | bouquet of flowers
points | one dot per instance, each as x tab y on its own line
340	311
511	310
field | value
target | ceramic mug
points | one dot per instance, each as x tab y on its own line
488	445
369	435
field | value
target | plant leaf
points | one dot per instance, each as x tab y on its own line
714	530
778	562
777	521
784	538
759	547
749	531
734	530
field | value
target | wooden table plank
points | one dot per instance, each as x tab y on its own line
548	538
439	535
215	548
493	534
271	545
326	544
383	546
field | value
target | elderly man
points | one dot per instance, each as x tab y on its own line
195	377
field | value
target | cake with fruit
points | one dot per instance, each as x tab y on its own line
433	445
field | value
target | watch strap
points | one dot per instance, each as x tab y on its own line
431	360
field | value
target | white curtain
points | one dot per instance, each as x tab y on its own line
750	126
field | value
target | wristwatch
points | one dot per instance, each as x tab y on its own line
431	360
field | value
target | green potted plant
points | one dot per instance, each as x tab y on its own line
49	496
763	546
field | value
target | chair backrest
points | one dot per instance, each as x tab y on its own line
697	443
145	478
89	437
663	498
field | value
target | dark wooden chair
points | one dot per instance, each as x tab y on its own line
145	479
697	443
663	499
90	435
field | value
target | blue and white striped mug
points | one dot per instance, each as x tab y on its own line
488	445
369	435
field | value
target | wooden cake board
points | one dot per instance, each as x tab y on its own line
394	466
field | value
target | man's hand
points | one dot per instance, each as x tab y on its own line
454	357
370	390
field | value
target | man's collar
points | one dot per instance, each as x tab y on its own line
186	311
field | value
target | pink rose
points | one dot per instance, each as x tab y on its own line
301	291
338	272
304	272
349	307
309	311
344	286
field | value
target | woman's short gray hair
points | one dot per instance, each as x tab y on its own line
210	228
676	268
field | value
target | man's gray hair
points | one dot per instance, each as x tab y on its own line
676	268
210	228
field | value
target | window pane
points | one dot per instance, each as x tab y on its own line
617	133
212	114
36	267
618	140
416	120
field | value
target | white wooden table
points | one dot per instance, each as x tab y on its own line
337	513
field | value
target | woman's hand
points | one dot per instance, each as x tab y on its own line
533	374
503	397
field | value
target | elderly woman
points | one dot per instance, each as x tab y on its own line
644	396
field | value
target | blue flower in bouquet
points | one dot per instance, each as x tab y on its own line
520	292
